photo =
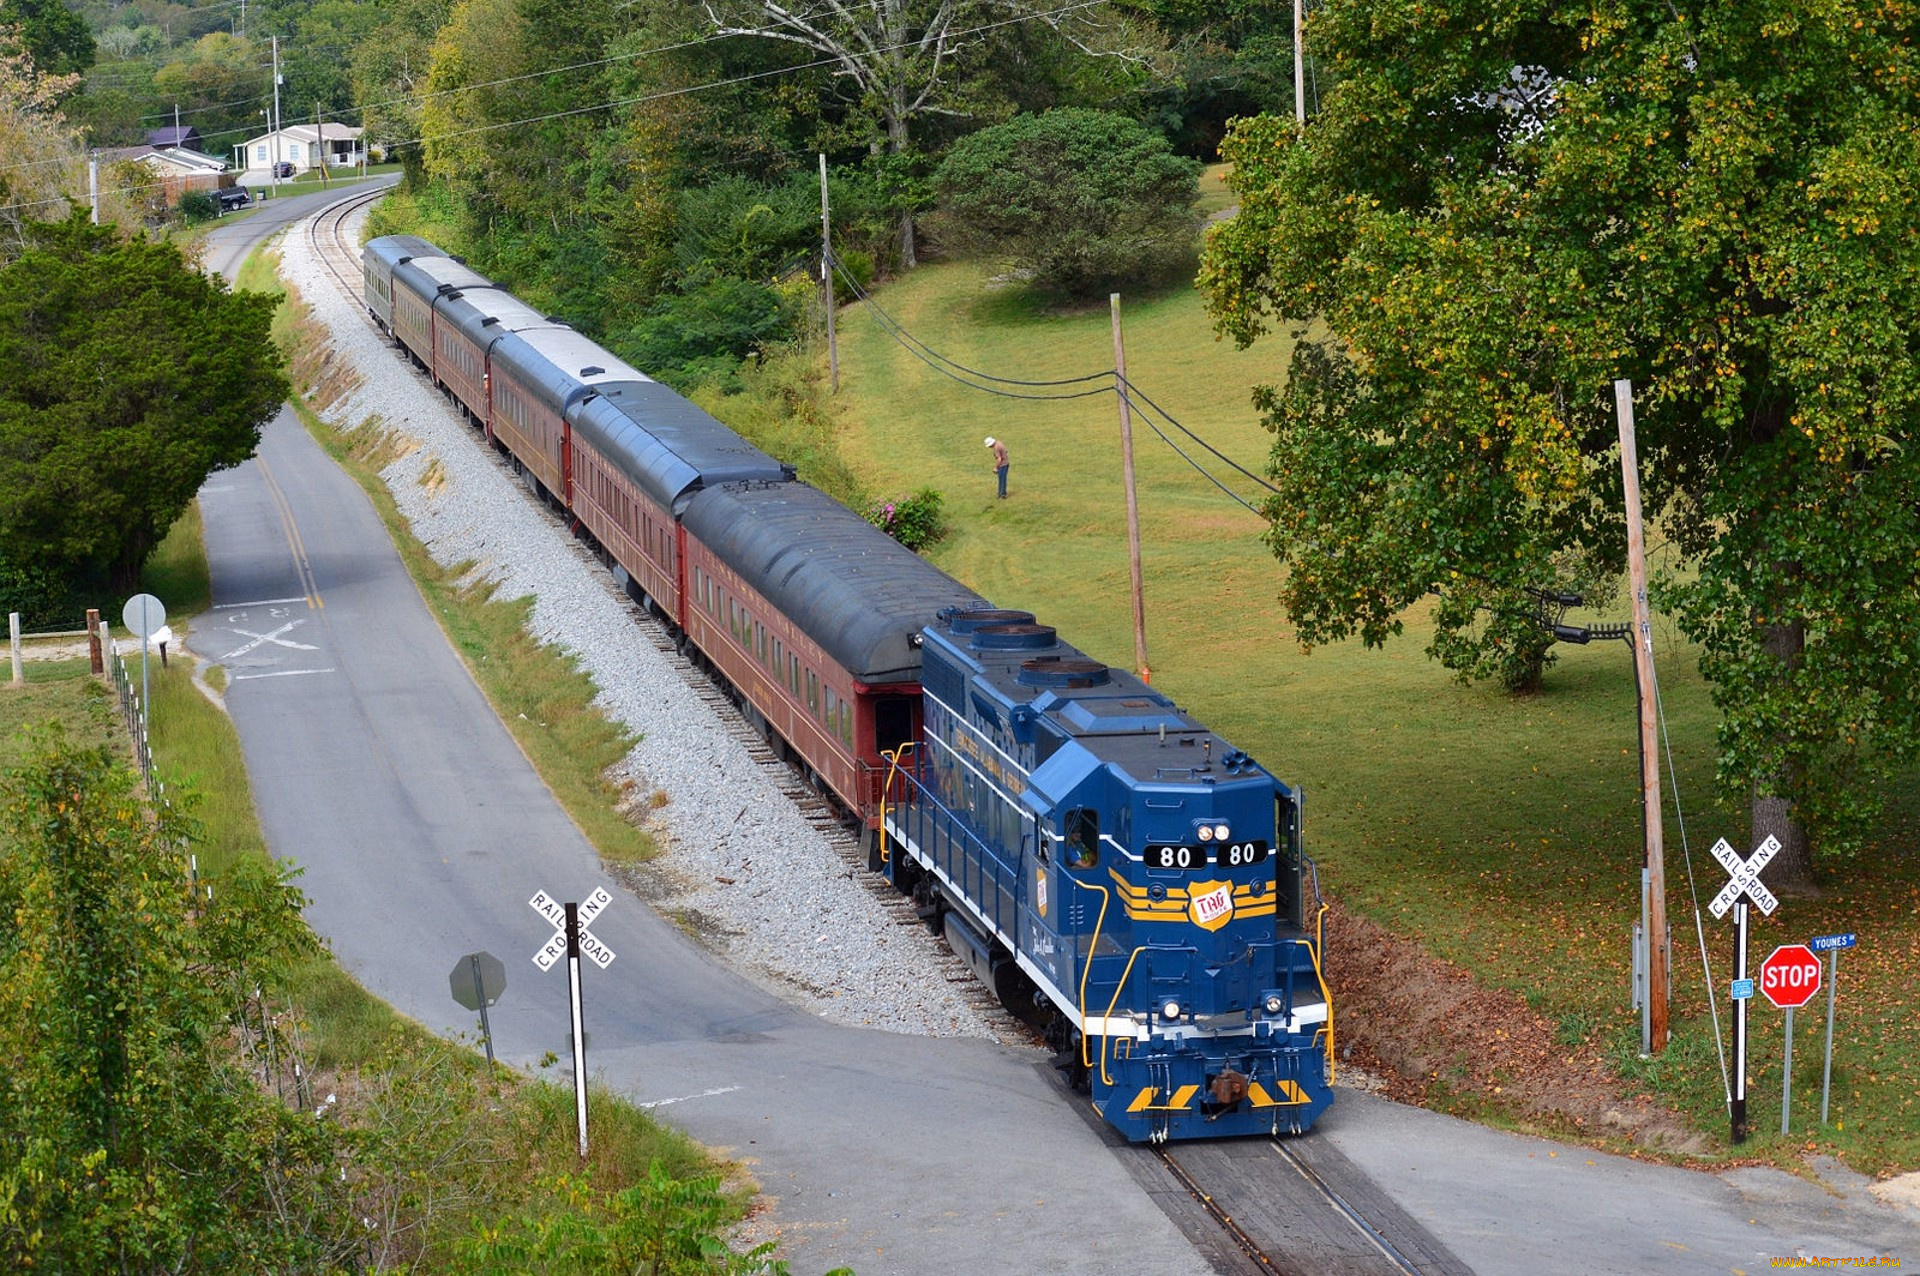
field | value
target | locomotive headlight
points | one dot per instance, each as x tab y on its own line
1206	832
1171	1010
1219	832
1273	1005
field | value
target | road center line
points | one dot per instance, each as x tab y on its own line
264	602
704	1094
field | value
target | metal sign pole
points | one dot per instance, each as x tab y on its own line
1740	1025
480	995
579	1026
146	698
1786	1075
1826	1073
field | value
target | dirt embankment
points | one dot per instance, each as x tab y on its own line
1424	1027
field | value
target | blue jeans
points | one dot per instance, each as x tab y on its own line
1001	471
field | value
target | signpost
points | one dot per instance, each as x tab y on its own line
572	938
1831	945
1744	884
1789	977
478	980
143	616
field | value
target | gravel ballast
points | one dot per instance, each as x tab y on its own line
790	914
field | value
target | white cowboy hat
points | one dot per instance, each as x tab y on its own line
989	440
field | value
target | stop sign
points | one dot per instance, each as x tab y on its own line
1790	976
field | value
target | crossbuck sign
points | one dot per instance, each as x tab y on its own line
556	947
1744	877
1743	884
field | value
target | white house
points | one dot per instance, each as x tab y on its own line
304	147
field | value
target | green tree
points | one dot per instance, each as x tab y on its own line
131	377
129	1141
56	37
1502	209
1081	199
904	60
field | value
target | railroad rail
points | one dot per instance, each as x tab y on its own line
1296	1207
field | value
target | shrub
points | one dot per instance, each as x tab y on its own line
913	520
1079	199
197	206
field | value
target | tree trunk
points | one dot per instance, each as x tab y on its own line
1790	872
897	144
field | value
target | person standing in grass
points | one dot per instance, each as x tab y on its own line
999	463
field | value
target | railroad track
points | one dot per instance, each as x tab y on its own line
1293	1206
327	232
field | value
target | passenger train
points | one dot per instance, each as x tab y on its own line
1123	878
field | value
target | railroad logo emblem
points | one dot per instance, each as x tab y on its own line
1040	889
1210	904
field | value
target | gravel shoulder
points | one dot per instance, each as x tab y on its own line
741	868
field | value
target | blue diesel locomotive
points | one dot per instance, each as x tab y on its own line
1119	875
1124	879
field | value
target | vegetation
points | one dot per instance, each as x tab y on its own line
1497	215
135	1142
132	376
1080	201
913	520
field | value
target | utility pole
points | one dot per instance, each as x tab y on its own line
1653	873
276	112
1299	64
1133	500
320	141
826	277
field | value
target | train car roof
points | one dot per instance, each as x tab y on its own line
484	315
431	276
391	249
563	364
665	444
851	588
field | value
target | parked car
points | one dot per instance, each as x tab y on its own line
283	169
233	198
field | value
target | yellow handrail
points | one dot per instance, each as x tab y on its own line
1098	925
1319	940
893	760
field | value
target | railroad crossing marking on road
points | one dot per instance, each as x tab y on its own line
273	638
1744	875
555	912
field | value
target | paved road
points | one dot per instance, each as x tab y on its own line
379	768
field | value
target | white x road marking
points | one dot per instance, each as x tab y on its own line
273	638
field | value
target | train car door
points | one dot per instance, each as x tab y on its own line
896	721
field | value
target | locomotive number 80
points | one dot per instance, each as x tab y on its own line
1221	854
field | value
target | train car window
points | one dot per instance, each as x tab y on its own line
793	674
1082	829
760	641
813	693
830	703
846	724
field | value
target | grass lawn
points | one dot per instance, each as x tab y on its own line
1502	833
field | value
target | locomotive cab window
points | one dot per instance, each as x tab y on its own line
1082	830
